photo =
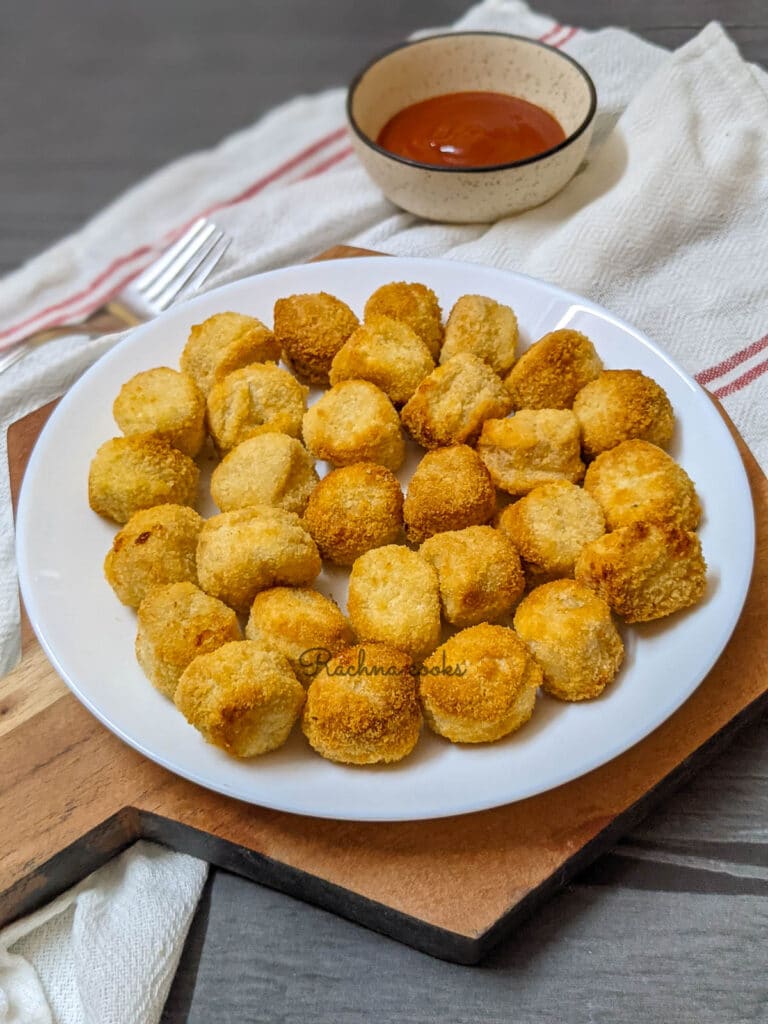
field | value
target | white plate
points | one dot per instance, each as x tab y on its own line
89	635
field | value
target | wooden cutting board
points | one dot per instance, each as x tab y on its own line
72	795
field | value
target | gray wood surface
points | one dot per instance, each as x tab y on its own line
673	926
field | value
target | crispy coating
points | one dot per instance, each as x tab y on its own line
300	623
452	403
553	370
242	552
176	623
354	509
394	598
156	546
388	354
638	482
533	447
224	343
478	571
645	570
570	632
550	526
269	469
494	695
362	707
354	422
128	474
257	399
414	304
165	402
241	697
620	405
484	327
311	329
450	489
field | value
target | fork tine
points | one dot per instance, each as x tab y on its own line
178	263
193	266
201	275
146	278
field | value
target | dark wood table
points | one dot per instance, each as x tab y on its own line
670	927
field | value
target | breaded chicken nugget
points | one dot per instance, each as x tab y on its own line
483	327
569	631
479	685
450	489
414	304
394	598
311	329
354	509
241	697
269	469
300	623
257	399
176	623
479	573
354	422
128	474
451	404
533	447
388	354
224	343
156	546
638	482
645	570
242	552
362	707
553	370
620	405
165	402
550	526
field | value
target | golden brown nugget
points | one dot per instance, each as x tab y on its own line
165	402
128	474
224	343
553	370
533	447
300	623
362	707
394	598
620	405
478	571
414	304
354	509
257	399
242	552
176	623
570	632
450	489
355	422
311	329
483	327
645	571
550	526
241	697
638	482
493	692
269	469
452	403
155	547
388	354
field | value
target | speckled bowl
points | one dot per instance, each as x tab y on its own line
471	61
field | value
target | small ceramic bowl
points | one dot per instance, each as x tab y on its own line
470	61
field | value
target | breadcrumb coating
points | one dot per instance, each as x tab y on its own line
645	571
553	370
165	402
533	447
414	304
269	469
484	328
450	489
257	399
224	343
620	405
311	329
355	422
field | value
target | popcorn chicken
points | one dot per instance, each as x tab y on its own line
414	304
258	399
484	328
165	402
224	343
355	422
269	469
553	370
621	405
533	447
450	489
311	329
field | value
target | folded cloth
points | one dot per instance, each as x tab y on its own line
665	224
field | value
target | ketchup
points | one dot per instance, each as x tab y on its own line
471	129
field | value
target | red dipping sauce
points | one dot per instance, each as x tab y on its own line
471	129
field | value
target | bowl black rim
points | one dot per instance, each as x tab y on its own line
441	168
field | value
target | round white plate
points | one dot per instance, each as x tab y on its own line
89	635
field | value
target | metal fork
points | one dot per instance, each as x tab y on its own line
178	272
